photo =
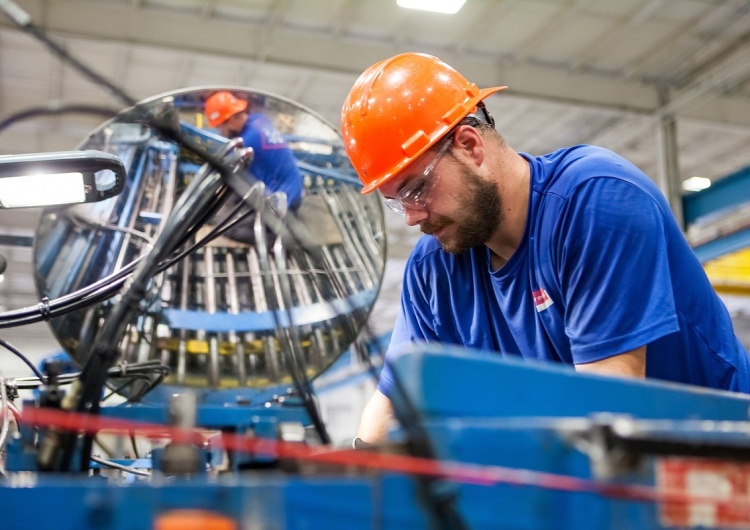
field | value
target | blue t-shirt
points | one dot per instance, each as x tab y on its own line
603	268
273	161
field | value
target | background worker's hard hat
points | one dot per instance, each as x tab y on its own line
398	109
222	106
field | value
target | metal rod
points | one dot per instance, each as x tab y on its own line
234	308
213	341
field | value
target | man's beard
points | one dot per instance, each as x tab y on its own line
480	218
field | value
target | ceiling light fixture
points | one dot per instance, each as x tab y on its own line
449	7
696	183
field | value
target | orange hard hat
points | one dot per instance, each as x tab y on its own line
398	109
222	106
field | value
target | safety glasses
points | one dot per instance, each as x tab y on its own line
416	193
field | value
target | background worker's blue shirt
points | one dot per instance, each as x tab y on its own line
273	161
603	268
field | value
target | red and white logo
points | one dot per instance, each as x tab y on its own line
704	493
541	299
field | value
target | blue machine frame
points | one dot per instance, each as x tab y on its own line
506	420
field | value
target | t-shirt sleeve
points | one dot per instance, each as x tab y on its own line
414	322
614	270
399	339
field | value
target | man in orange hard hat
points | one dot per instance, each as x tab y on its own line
273	162
571	257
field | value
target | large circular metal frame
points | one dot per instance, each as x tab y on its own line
228	315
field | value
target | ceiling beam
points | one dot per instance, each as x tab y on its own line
309	49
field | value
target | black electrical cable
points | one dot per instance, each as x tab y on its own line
25	359
135	445
133	379
96	292
190	204
55	109
189	208
23	20
146	369
294	365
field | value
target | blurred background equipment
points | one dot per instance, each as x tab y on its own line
214	316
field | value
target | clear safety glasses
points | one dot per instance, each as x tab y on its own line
416	193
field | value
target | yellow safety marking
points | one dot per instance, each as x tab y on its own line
730	273
200	347
193	380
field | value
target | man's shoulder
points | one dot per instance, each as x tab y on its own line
586	161
565	170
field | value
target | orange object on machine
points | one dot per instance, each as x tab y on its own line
399	108
193	520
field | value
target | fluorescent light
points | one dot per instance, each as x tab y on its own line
449	7
42	190
696	183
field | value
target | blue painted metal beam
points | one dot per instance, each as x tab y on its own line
723	245
730	191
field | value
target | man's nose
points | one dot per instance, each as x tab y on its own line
414	216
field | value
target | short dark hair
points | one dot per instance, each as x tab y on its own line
473	121
485	128
481	120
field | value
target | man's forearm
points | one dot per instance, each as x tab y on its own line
628	364
376	419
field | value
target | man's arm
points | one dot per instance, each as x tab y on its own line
628	364
376	419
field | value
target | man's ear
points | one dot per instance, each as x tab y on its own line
468	143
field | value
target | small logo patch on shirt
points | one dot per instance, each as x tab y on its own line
541	299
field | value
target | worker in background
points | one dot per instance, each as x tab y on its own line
573	257
273	161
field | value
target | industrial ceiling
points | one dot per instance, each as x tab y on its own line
616	73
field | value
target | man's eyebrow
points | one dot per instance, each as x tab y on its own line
413	180
394	196
404	182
